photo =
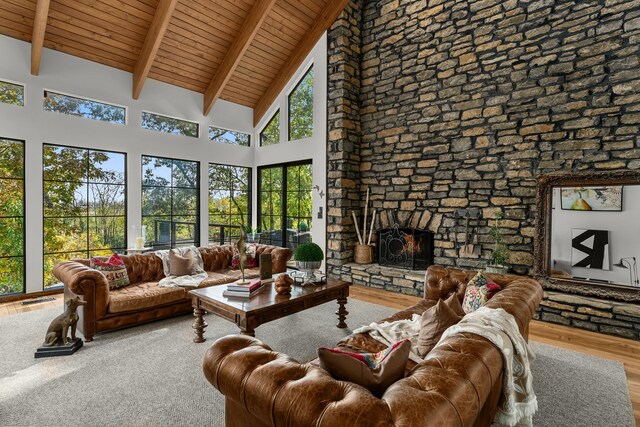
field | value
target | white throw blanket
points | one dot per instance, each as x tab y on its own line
518	402
192	281
390	333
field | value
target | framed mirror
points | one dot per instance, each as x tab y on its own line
588	233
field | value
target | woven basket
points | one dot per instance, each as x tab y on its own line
363	254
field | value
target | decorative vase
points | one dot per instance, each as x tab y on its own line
308	268
253	238
363	254
283	284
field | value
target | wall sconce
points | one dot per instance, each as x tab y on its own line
633	269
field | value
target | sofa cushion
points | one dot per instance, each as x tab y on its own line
143	296
180	265
435	321
113	269
374	371
227	275
479	291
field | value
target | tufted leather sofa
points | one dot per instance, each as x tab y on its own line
143	301
458	384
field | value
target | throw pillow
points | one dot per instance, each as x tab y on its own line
113	269
479	291
180	265
435	321
454	304
373	371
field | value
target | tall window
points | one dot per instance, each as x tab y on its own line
285	201
229	202
170	202
229	136
270	135
171	125
86	108
11	93
301	108
11	216
84	200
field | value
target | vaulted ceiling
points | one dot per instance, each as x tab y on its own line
243	51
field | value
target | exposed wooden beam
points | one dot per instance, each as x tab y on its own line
322	23
37	37
232	58
152	43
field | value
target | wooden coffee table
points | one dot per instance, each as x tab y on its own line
266	305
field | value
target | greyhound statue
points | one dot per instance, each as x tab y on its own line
59	327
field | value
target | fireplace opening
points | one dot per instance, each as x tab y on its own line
405	247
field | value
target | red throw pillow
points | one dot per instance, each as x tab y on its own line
374	371
113	269
252	260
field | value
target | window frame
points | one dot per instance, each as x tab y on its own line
57	92
209	127
24	95
273	116
24	217
283	216
310	68
126	207
249	195
197	238
166	116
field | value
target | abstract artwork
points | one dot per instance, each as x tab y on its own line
591	198
590	249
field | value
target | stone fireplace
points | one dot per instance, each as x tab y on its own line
405	247
443	105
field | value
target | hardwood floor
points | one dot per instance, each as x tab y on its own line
15	307
605	346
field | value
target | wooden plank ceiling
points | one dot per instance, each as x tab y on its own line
187	42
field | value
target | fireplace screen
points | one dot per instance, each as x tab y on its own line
405	247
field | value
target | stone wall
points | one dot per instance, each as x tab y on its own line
344	132
462	103
593	314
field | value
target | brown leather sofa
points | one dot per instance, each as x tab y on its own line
142	300
458	384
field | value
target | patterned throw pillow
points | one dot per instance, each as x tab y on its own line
113	269
252	260
373	371
479	291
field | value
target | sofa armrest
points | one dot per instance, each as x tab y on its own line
271	386
88	282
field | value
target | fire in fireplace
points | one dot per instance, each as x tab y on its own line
405	247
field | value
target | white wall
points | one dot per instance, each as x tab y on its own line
314	148
68	74
624	234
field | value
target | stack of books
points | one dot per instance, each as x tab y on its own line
236	289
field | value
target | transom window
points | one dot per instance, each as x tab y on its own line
170	202
229	136
11	93
170	125
270	135
285	201
11	216
301	108
229	202
81	107
84	201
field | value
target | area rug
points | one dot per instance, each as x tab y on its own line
151	375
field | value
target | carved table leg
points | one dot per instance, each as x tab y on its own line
342	313
199	325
